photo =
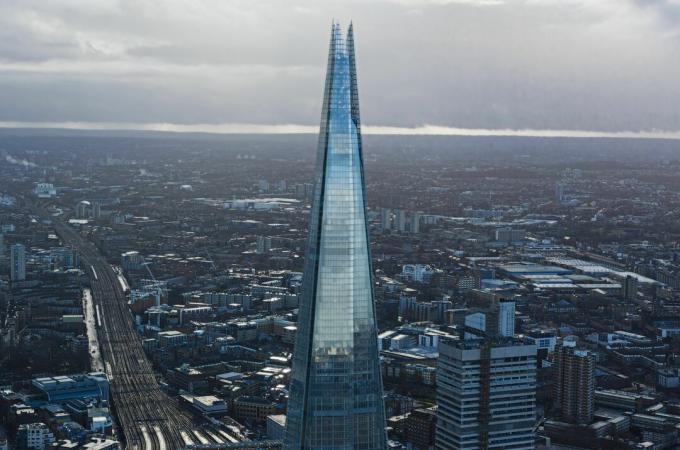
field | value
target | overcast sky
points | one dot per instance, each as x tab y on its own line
590	65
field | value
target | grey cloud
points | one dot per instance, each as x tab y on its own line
548	64
668	10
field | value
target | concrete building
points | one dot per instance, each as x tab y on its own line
400	220
415	222
34	436
96	211
276	426
264	245
496	320
509	235
131	260
419	428
385	219
45	190
172	338
206	405
255	408
83	209
420	273
630	288
486	394
18	262
574	372
559	192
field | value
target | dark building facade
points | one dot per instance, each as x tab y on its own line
574	372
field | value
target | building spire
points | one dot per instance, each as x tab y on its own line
336	390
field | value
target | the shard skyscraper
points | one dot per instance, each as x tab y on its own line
336	390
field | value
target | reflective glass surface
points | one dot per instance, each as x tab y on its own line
336	391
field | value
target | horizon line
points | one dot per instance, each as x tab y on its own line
421	130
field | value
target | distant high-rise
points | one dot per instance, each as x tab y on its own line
506	318
264	245
400	220
630	288
96	211
559	192
385	219
486	394
415	222
336	396
18	262
574	372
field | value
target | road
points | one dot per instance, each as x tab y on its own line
148	418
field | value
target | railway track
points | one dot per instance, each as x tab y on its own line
148	418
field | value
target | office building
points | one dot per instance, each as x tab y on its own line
400	220
18	262
336	390
415	222
630	288
508	235
574	388
45	190
264	245
96	211
34	436
486	394
385	219
276	426
132	260
506	318
83	209
498	319
559	192
419	429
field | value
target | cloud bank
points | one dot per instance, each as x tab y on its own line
605	66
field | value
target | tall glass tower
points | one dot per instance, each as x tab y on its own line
336	391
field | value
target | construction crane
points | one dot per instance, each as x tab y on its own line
157	285
212	263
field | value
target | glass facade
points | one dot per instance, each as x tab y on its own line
336	391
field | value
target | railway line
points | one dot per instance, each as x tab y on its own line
147	417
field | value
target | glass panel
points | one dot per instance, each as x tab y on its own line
336	390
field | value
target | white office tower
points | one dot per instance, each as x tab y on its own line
506	318
18	263
497	320
486	394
